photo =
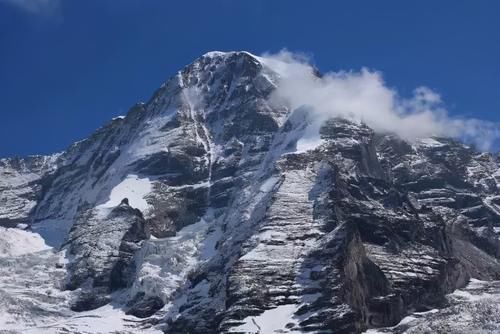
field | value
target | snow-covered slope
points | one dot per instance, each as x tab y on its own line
206	210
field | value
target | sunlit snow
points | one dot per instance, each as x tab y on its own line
15	242
134	189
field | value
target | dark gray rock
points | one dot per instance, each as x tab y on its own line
103	242
143	307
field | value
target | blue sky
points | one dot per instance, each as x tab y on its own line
67	67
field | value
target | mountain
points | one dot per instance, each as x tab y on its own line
199	212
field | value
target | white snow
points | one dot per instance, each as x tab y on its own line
192	97
15	186
150	140
212	54
307	144
269	184
488	201
270	321
133	188
15	242
472	297
429	142
163	263
106	319
310	137
496	176
32	300
459	316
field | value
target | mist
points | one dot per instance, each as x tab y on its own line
363	96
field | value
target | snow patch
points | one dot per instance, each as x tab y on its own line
269	184
16	242
429	142
133	188
271	321
308	144
106	319
164	263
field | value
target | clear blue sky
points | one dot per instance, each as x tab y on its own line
67	69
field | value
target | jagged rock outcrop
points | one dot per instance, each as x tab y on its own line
103	244
228	228
22	182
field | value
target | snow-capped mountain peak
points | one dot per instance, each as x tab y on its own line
207	209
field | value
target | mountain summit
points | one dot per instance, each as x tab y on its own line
200	212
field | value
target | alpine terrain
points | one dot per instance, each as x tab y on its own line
201	212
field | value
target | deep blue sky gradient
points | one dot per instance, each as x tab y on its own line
64	74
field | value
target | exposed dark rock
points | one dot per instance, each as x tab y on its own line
143	307
103	244
89	300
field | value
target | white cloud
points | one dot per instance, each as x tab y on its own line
364	96
39	7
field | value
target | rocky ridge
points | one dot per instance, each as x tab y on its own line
228	228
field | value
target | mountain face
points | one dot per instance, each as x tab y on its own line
196	213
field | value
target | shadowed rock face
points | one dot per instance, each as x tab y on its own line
247	232
103	245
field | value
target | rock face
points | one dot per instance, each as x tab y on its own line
103	245
21	187
474	309
197	212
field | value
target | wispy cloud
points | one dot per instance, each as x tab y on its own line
364	96
37	7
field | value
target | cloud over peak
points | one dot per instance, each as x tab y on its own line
363	96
